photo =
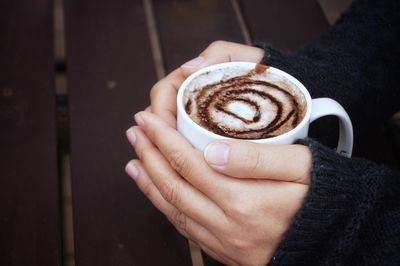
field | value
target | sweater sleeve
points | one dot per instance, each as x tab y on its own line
351	215
355	62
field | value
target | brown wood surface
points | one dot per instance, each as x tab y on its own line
187	27
30	230
110	73
286	24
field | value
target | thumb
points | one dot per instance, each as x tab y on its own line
246	159
220	52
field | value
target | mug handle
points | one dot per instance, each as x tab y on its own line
326	106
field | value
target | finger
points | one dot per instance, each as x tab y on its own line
184	224
246	159
186	160
148	108
172	187
163	96
223	51
144	183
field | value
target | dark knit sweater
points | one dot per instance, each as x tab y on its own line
351	214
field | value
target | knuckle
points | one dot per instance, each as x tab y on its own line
218	44
236	243
252	161
179	220
155	89
146	189
241	208
140	152
143	154
239	244
179	162
156	137
169	192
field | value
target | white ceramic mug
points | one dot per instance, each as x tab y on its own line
199	137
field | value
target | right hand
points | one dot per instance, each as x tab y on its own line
236	202
163	93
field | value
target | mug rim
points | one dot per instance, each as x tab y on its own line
247	65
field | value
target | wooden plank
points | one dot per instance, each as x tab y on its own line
333	9
30	229
285	24
110	73
188	27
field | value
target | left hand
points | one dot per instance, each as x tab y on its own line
236	205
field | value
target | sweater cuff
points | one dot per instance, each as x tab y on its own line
299	66
341	196
276	58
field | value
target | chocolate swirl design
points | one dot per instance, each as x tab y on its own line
245	107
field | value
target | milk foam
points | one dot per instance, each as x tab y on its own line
237	103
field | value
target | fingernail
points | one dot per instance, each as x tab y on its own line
217	153
132	170
196	62
139	120
131	135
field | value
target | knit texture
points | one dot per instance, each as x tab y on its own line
351	214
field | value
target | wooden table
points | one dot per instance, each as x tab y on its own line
111	65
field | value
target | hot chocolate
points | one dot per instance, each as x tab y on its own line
247	105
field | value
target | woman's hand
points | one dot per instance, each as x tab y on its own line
236	201
163	93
